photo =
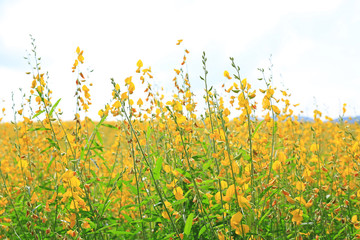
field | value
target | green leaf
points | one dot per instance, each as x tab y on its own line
188	224
238	157
53	108
38	129
37	114
202	230
264	192
179	202
129	219
157	168
93	173
257	128
339	234
53	144
109	125
244	154
149	133
121	233
45	149
99	137
198	157
51	161
264	216
101	121
207	165
108	226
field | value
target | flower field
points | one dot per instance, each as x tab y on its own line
160	170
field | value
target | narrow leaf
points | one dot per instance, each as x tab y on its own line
257	128
188	224
157	169
109	125
53	108
37	114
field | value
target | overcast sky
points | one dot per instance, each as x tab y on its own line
315	45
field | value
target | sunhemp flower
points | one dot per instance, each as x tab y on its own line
139	64
355	222
140	102
178	192
235	221
227	75
297	216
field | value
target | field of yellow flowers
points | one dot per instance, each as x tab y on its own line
161	171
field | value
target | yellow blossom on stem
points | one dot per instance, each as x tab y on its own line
235	223
131	87
178	192
227	75
124	96
139	64
297	216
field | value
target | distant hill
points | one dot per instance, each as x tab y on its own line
355	119
349	119
305	119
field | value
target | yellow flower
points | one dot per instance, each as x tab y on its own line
178	192
266	103
139	64
221	236
236	219
290	199
22	164
124	96
71	233
165	215
240	229
131	87
243	201
223	184
81	58
355	221
276	166
72	220
229	193
300	186
297	216
128	80
85	88
276	109
101	113
226	112
252	94
116	104
227	75
85	225
218	197
178	106
314	147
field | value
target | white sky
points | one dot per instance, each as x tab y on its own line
314	45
